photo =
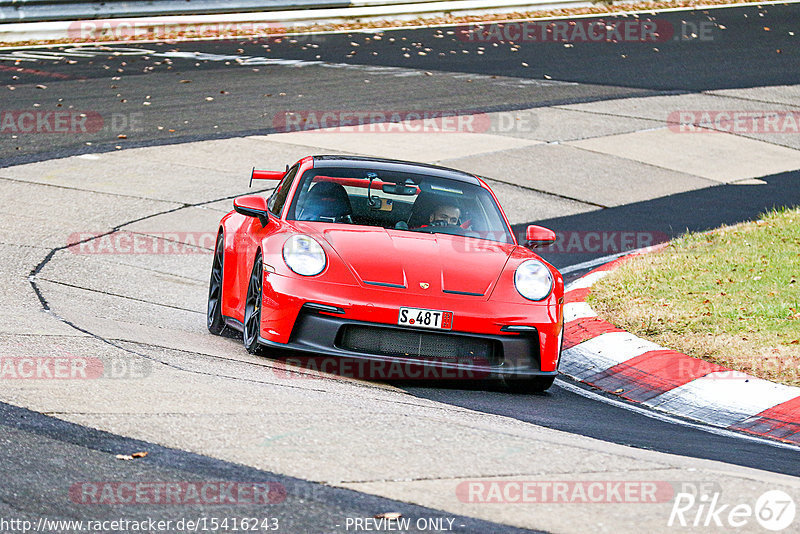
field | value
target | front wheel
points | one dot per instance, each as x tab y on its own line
214	320
252	308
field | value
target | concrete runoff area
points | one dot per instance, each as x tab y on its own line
664	149
421	146
178	386
585	176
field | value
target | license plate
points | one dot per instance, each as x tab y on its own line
434	319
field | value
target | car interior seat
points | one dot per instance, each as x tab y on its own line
327	201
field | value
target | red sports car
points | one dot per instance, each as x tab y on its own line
376	260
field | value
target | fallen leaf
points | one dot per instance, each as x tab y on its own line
388	515
141	454
40	86
124	457
620	390
122	136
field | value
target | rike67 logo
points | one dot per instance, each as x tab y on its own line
774	510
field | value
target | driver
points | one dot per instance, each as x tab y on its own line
445	215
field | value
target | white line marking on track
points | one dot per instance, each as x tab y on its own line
593	263
604	259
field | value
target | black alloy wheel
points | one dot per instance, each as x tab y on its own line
214	319
252	308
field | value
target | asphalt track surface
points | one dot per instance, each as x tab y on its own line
743	54
41	456
38	451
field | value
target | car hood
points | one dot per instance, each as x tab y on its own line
421	263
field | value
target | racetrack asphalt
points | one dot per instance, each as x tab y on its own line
756	48
598	76
48	463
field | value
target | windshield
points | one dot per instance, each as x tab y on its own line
400	201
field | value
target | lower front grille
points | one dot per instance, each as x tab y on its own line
426	345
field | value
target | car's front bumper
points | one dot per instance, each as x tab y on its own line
325	337
318	317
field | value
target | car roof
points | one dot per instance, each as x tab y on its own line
330	161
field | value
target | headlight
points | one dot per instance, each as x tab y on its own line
533	280
304	255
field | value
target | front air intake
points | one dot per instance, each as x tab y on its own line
421	345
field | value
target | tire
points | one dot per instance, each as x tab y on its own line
251	327
214	319
529	384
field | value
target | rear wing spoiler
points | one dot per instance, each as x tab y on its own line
265	175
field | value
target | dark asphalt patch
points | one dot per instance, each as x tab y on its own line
45	459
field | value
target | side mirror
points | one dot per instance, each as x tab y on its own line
539	236
252	206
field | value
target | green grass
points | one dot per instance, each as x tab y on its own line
730	296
